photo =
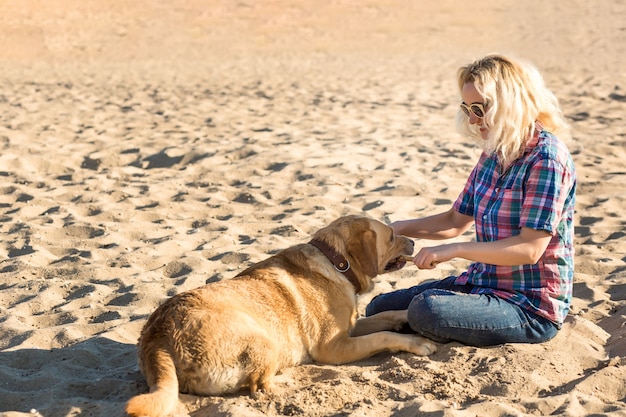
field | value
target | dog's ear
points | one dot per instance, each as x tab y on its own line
362	250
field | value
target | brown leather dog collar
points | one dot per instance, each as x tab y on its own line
339	261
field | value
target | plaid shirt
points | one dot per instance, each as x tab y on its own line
536	191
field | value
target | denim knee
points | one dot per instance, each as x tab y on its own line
422	315
372	307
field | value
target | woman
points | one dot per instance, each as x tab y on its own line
520	197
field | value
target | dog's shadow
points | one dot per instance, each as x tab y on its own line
94	377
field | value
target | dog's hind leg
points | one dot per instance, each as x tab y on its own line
261	359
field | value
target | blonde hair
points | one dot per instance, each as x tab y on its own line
515	97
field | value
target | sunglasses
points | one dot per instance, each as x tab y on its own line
477	109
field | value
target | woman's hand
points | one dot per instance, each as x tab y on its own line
428	258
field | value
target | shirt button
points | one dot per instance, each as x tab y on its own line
497	189
484	216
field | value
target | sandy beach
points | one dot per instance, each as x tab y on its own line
150	147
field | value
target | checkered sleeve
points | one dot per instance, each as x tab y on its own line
545	193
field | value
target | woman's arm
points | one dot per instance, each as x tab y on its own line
525	248
444	225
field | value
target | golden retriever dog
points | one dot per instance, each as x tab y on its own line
297	306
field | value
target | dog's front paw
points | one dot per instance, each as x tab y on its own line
424	346
260	395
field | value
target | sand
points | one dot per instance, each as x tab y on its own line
150	147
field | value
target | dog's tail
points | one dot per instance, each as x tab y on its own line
162	399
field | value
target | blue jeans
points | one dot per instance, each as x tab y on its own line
444	312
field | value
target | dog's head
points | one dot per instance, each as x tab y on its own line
371	247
